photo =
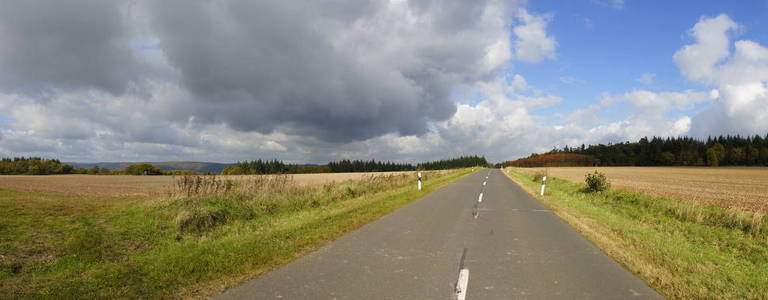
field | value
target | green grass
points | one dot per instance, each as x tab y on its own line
55	247
683	250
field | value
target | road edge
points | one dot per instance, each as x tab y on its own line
407	197
597	235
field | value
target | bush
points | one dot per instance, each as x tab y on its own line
538	177
142	169
597	182
199	219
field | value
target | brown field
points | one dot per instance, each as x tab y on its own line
727	187
126	185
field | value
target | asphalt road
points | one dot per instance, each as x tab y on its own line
509	245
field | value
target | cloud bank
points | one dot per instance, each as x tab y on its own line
311	82
738	72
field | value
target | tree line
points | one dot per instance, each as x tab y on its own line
41	166
454	163
552	160
727	150
278	167
343	166
35	166
378	166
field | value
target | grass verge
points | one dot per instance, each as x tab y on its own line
682	250
56	247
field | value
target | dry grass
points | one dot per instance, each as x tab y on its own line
731	188
124	185
681	249
212	233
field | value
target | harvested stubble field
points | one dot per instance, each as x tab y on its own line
127	185
201	234
727	187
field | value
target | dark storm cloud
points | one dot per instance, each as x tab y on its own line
156	72
452	16
337	70
70	44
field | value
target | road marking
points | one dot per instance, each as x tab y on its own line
480	199
460	291
484	182
540	209
461	285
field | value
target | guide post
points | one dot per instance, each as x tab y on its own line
419	174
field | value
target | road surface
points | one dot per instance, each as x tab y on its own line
455	244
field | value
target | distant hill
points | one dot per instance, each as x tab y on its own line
201	167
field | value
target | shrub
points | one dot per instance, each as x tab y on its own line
199	219
538	177
597	182
142	169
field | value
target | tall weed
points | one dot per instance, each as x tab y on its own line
206	202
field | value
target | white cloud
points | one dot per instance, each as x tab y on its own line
375	71
408	51
274	146
646	78
647	102
698	61
532	42
648	115
740	78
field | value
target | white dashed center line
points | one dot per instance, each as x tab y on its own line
460	291
461	285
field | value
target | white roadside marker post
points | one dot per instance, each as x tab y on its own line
543	183
419	181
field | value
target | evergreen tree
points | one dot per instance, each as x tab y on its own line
672	151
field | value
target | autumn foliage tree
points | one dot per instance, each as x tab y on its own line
553	160
678	151
33	166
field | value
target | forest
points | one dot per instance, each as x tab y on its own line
278	167
368	166
34	166
460	162
656	151
553	160
41	166
378	166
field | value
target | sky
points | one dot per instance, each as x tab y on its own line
399	80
